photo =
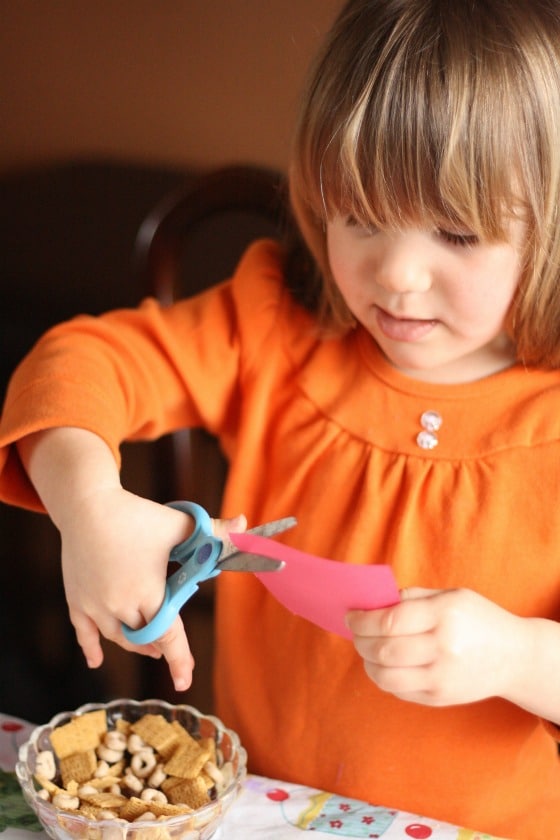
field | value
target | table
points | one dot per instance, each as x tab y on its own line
266	808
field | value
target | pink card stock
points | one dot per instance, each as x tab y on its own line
321	590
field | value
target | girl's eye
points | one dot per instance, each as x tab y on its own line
353	222
460	239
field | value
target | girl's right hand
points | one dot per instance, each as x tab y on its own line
114	566
115	545
115	551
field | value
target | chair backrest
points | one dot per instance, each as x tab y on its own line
192	239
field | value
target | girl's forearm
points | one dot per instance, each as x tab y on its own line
65	465
536	686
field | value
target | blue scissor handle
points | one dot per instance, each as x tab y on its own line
197	557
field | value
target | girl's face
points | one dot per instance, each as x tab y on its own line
434	301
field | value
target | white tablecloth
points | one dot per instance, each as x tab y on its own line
267	809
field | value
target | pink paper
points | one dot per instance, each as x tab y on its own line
321	590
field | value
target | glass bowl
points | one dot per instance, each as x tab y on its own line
199	824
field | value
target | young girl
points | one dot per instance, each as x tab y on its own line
401	400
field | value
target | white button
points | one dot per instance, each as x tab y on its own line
427	440
431	421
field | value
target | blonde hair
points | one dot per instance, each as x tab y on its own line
438	110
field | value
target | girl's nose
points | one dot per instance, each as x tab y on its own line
403	266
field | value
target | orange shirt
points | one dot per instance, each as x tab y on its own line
326	430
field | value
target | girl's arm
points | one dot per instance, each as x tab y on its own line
442	648
115	545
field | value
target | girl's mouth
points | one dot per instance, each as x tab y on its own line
402	329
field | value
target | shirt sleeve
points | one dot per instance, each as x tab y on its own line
137	374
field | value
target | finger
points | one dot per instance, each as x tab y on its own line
223	527
88	638
111	629
397	652
175	648
407	618
412	592
405	683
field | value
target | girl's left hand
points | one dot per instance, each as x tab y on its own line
439	648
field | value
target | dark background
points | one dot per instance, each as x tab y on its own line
67	235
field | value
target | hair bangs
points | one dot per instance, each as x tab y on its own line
426	141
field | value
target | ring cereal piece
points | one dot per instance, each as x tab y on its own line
158	776
45	764
135	743
66	802
132	782
109	755
143	763
115	740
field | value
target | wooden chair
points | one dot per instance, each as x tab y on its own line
192	239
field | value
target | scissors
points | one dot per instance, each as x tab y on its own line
200	557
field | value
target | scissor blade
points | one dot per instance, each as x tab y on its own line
243	561
233	560
275	527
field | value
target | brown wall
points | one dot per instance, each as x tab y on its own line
180	82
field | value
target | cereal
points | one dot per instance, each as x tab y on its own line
213	772
157	732
135	744
78	767
109	755
191	791
153	795
79	734
66	802
45	765
143	763
147	770
157	777
102	799
188	759
132	782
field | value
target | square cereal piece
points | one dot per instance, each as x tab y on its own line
164	810
122	726
182	733
133	808
157	732
191	792
51	787
188	760
78	767
79	734
104	799
209	744
168	783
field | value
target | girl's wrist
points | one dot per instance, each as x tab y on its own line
534	670
66	466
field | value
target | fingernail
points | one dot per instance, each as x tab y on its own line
180	684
